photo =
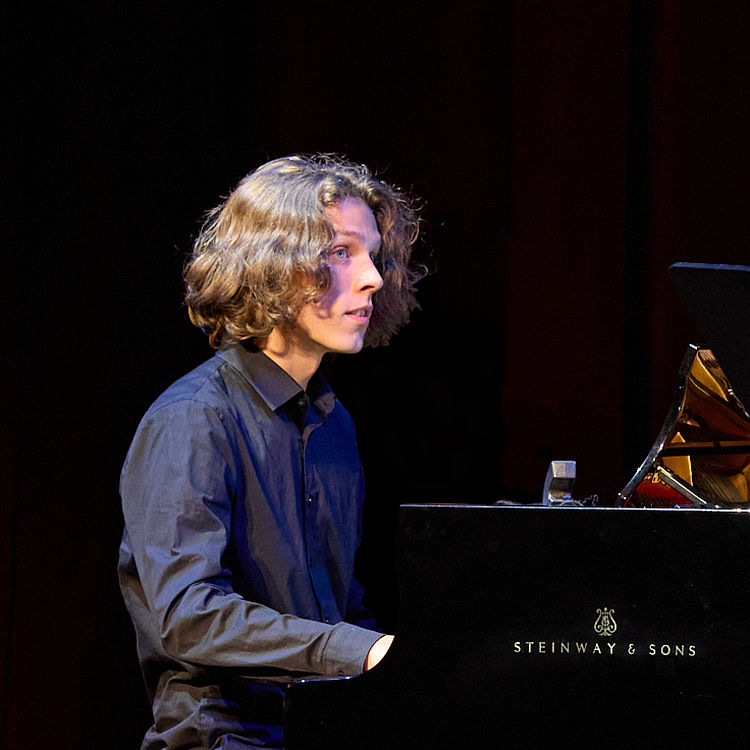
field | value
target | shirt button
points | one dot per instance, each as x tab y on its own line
309	500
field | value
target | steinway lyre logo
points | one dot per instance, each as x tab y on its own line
605	624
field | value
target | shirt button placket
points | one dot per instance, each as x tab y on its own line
310	534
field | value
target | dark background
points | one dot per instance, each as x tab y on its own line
566	153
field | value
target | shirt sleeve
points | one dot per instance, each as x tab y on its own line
176	488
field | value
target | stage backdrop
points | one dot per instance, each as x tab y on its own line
566	154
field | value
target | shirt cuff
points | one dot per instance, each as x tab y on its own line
347	649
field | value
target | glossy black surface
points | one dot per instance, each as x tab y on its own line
716	297
487	591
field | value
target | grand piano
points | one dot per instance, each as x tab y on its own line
568	623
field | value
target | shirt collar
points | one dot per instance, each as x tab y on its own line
273	384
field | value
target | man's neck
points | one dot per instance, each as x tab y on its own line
300	364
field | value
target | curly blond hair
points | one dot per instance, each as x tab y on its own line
260	256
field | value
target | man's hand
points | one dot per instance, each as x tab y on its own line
377	652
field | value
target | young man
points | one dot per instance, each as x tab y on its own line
242	490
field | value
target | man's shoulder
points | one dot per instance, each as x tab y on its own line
206	387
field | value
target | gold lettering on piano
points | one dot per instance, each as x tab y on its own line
605	626
668	649
586	648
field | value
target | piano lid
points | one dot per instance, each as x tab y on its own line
718	299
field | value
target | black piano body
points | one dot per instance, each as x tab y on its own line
528	627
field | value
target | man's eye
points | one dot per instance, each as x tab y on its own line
339	253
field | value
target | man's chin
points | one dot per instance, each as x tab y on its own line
351	348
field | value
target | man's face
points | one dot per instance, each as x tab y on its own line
338	320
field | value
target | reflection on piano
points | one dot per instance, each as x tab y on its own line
530	627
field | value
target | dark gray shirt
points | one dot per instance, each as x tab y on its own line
242	498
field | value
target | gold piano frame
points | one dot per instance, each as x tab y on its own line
701	457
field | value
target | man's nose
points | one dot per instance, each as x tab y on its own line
370	277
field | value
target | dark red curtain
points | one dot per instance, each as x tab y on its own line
567	155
